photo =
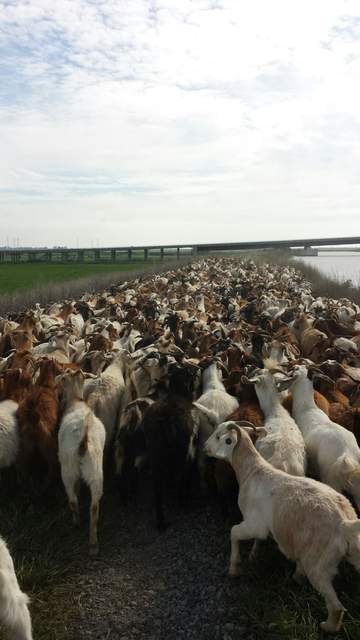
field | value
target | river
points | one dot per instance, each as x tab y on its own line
342	265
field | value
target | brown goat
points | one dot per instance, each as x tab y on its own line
21	360
16	385
38	416
99	342
313	342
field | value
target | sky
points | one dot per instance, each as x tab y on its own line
128	122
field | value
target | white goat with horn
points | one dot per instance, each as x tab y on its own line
313	525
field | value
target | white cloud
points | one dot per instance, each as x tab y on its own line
160	120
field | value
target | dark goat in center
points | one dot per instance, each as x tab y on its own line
168	427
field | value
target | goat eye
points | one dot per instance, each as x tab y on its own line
228	441
217	437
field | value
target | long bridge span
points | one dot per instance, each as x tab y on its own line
147	252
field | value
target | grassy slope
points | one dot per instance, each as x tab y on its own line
26	276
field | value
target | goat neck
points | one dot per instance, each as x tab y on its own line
303	395
116	366
268	396
212	378
246	461
73	393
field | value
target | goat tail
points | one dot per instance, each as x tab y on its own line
346	470
351	530
83	446
352	471
191	453
119	456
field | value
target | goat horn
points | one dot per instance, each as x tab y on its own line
245	423
275	370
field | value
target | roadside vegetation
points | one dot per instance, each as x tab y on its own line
48	283
43	545
29	276
322	285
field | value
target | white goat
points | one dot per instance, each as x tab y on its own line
9	433
282	445
14	612
332	450
77	324
58	347
214	395
144	372
213	407
313	525
104	394
81	447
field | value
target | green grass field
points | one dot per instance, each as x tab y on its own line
28	276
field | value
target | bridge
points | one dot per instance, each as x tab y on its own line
144	253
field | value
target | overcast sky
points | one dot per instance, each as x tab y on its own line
159	121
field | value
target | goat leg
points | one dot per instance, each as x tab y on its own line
159	498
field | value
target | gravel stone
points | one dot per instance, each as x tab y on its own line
147	585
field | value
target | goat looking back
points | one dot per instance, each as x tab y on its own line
313	525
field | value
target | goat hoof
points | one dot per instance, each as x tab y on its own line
299	578
333	623
234	572
93	550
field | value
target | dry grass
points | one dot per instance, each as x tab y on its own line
44	549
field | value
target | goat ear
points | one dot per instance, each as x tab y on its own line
261	431
321	376
283	383
252	380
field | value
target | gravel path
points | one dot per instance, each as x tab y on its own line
150	585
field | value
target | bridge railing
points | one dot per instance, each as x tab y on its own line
155	252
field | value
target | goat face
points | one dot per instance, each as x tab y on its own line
223	441
73	384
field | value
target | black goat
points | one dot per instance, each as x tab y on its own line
168	427
162	436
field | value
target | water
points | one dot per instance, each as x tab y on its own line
342	265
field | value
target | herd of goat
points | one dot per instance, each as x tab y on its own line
216	374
